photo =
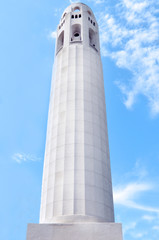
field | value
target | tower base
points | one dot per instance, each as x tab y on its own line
75	231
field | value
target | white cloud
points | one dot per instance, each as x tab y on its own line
156	227
129	227
73	1
52	35
139	171
130	197
94	1
125	195
23	157
57	11
138	235
130	38
148	218
98	1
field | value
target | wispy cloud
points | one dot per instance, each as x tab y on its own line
138	235
149	218
125	195
98	1
129	227
57	11
94	1
130	38
73	1
130	197
52	35
23	157
156	227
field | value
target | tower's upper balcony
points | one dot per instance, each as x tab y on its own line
77	26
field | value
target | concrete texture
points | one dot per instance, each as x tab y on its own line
77	174
80	231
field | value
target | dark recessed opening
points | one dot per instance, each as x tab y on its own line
76	16
94	24
91	21
89	18
76	34
89	13
72	16
79	15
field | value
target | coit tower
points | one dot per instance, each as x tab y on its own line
77	186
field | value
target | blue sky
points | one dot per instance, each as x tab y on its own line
129	33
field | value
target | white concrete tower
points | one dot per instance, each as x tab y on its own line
77	177
76	201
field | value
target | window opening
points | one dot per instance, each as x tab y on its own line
76	9
89	13
72	16
94	24
79	15
76	33
76	16
91	21
64	15
60	41
89	18
92	38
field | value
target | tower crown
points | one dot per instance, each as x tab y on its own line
77	26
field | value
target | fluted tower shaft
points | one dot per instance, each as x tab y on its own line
77	177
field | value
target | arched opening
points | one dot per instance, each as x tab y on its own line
76	33
76	9
92	38
60	41
89	12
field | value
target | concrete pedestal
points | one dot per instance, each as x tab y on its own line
75	231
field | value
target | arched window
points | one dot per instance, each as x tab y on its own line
76	9
76	33
60	41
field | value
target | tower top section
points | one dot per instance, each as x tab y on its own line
77	7
77	26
